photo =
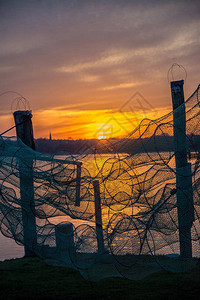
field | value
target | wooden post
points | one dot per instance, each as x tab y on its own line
78	184
183	171
24	131
98	217
64	237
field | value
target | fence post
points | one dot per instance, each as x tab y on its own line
64	234
24	131
183	171
98	217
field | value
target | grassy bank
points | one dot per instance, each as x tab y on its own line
30	278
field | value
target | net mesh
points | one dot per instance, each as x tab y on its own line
47	202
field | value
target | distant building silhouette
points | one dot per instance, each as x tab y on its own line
50	136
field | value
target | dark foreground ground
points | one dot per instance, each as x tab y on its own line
30	278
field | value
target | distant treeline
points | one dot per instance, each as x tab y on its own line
153	144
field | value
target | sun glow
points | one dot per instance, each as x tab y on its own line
88	124
101	137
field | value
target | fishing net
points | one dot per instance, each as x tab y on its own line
51	204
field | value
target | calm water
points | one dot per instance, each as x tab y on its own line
9	249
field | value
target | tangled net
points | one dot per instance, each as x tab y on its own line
139	234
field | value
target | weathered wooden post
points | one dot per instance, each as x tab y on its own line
98	217
25	128
64	233
24	131
183	171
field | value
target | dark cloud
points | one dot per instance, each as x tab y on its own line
78	51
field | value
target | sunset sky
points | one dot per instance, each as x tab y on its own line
94	69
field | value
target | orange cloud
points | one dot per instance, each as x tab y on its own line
88	124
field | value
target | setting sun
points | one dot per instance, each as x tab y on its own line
101	137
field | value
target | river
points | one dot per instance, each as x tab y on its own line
8	247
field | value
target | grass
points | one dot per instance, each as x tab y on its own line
31	278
